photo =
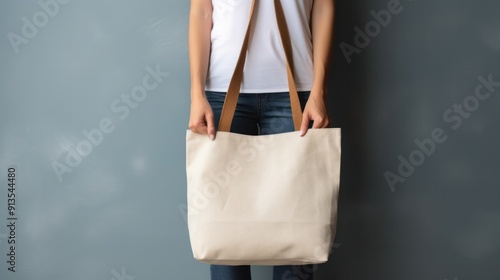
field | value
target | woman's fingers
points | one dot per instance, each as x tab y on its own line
320	121
209	118
304	125
204	125
202	118
316	112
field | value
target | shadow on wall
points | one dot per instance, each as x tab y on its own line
347	105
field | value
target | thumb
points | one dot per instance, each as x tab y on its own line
210	126
304	125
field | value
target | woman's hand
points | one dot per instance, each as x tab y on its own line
315	110
201	119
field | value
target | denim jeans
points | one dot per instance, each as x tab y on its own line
259	114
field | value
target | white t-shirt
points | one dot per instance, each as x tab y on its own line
265	66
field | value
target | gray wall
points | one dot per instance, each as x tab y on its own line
101	176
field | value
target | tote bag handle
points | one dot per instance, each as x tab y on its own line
233	91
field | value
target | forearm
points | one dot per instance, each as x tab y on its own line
200	26
322	21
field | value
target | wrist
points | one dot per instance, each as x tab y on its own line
318	91
197	92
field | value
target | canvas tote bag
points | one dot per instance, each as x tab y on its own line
267	199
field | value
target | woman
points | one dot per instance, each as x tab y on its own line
216	31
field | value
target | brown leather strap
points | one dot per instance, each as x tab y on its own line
287	45
233	91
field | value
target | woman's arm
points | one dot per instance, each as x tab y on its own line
201	118
322	20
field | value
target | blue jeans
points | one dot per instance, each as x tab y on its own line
259	114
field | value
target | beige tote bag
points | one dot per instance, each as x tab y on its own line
267	199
